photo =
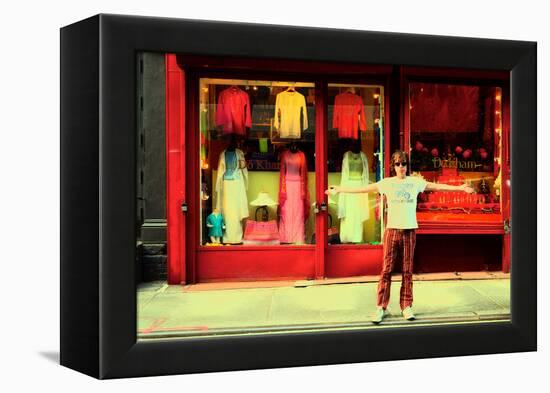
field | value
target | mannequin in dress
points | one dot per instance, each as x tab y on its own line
231	186
293	195
353	209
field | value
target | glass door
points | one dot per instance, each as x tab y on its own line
355	139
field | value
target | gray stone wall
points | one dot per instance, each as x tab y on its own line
151	167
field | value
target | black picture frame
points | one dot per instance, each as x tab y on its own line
98	189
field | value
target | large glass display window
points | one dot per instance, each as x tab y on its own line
355	145
456	138
257	162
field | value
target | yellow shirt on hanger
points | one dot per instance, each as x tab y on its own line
290	108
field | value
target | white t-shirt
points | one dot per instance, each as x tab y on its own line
401	195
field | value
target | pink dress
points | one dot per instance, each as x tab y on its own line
293	197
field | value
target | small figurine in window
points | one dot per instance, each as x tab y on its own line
483	189
216	225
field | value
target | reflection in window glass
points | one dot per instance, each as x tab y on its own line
355	123
455	138
257	141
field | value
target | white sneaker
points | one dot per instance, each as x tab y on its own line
408	313
378	315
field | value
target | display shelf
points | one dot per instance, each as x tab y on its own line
451	223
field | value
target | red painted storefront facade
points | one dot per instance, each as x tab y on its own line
446	241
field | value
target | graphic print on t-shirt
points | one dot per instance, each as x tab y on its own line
402	193
401	196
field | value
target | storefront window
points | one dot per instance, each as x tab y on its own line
257	152
455	137
355	129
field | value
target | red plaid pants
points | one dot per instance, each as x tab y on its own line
398	246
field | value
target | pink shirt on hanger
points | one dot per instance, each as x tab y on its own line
233	111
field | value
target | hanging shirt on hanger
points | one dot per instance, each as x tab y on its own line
233	111
290	114
349	115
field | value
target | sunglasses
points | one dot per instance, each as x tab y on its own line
401	163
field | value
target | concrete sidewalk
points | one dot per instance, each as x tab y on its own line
170	311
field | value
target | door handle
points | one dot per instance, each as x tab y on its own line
320	207
507	227
184	207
